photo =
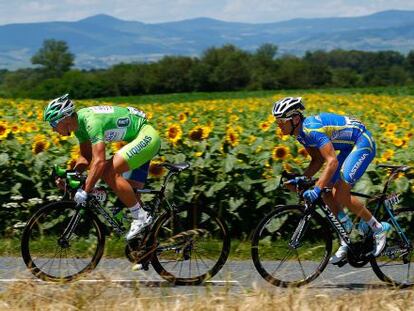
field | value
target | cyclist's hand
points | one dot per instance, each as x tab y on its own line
312	194
81	196
60	183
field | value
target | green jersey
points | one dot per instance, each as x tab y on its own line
109	123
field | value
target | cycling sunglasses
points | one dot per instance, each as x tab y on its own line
282	120
55	123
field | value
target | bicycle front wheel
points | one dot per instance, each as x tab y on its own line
53	255
395	265
281	264
192	245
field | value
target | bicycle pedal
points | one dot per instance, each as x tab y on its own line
341	263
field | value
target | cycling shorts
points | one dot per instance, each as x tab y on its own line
352	164
142	149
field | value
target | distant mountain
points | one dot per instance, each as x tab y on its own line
102	40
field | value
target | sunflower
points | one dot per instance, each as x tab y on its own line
174	133
155	169
232	137
280	152
302	151
199	133
40	144
4	130
264	126
387	155
182	117
397	142
391	128
116	146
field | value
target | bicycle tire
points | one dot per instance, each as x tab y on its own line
389	271
40	240
178	226
270	247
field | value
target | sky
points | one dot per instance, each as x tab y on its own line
155	11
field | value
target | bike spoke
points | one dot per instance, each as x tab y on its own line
300	264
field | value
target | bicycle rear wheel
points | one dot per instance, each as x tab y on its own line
282	265
50	255
395	265
192	245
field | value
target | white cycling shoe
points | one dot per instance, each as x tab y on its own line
137	225
340	255
380	239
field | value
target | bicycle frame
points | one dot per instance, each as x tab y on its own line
334	222
114	224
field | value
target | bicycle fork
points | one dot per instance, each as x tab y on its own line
300	230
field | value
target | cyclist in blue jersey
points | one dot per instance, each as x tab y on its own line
322	135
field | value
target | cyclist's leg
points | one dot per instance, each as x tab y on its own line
133	155
328	198
137	178
352	169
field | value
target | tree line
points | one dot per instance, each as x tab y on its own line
225	68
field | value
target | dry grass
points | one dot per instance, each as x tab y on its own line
33	296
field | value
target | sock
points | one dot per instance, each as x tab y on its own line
343	217
374	224
137	212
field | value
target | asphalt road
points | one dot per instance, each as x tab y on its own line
235	276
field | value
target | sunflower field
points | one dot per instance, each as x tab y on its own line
235	150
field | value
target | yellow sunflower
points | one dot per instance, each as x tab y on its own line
199	133
174	133
280	152
40	144
155	169
302	151
232	137
387	155
264	126
182	117
4	130
116	146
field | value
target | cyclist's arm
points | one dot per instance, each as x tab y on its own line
316	161
328	153
97	166
85	157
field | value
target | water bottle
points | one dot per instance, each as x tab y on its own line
363	228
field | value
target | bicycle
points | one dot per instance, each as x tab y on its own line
185	245
291	245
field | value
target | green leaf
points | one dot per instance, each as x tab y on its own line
4	159
235	203
262	202
402	184
229	163
215	187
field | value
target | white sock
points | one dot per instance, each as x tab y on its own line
137	212
343	243
374	224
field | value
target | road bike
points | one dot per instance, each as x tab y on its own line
185	245
291	246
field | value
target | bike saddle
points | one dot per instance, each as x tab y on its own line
176	167
401	168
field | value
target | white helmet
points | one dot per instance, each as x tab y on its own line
58	108
287	107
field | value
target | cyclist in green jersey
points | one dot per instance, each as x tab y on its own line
96	126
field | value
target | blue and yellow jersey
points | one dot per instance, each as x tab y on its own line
341	131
